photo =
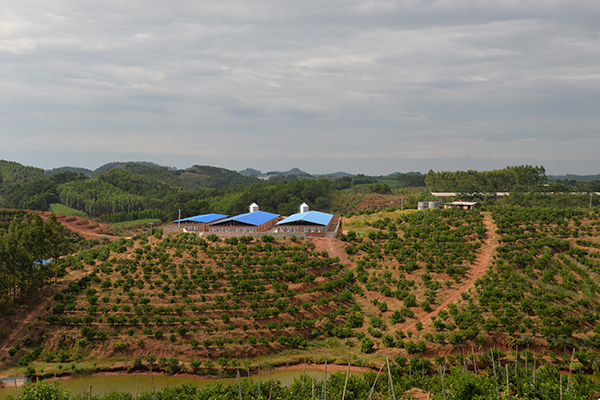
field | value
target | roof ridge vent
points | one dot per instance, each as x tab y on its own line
253	207
304	208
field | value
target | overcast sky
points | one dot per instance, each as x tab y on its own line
358	86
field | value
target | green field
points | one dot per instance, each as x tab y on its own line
62	209
136	223
362	224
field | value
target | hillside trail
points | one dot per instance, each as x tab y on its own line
44	297
483	262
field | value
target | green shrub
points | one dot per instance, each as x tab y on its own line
42	390
120	346
366	345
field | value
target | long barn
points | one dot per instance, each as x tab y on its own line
254	221
310	223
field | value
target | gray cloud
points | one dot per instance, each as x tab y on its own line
363	86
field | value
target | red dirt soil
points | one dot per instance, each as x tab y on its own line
334	247
29	315
484	260
87	228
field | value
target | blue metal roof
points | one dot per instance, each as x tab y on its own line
203	218
313	217
253	218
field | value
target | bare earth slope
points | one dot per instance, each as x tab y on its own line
86	227
28	314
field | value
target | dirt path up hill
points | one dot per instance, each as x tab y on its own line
483	262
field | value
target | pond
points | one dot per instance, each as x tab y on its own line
102	385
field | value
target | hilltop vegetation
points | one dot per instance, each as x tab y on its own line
127	191
521	178
14	173
77	170
121	191
39	193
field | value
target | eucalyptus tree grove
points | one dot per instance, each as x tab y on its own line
25	249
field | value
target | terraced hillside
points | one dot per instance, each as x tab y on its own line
539	291
430	284
190	295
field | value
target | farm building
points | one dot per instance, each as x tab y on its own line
309	223
465	205
197	223
497	195
254	221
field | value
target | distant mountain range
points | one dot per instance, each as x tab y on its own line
106	167
249	172
258	173
298	172
579	178
293	171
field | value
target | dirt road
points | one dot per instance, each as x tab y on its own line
483	262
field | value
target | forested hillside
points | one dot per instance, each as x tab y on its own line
25	244
40	193
128	191
131	190
14	173
78	170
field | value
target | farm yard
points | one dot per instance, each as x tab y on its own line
427	289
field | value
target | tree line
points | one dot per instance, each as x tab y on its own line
520	178
26	246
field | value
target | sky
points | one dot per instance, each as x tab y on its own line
368	87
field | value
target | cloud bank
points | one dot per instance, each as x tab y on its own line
361	86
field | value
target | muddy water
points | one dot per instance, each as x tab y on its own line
102	385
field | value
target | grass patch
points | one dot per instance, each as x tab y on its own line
58	208
136	223
361	224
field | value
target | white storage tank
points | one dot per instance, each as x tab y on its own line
423	205
253	207
303	208
434	204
